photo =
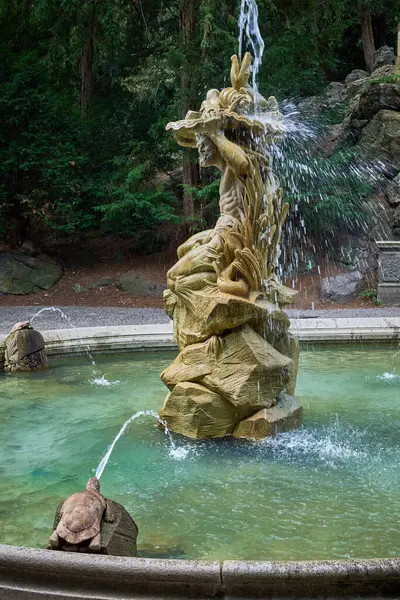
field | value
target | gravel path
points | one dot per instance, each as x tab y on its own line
95	317
80	316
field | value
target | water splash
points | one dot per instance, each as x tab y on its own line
313	182
329	444
175	452
103	381
249	35
389	377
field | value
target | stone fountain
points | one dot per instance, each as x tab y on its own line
236	370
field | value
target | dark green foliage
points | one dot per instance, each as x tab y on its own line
87	87
393	78
131	207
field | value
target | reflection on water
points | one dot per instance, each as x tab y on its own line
329	490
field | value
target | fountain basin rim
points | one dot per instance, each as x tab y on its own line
159	336
40	574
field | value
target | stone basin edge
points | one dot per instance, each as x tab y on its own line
29	573
124	338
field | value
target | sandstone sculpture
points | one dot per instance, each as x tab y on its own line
88	522
24	349
224	295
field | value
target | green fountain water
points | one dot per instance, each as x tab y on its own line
328	490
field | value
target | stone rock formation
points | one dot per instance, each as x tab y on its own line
133	283
284	416
343	287
88	522
236	354
383	56
24	349
24	274
381	137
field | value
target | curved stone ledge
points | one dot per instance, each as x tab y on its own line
27	573
155	337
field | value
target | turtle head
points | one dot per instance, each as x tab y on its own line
93	485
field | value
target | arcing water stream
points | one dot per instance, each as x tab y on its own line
68	320
175	452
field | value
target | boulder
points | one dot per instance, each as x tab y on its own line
392	192
374	98
382	57
99	283
119	537
381	138
311	106
87	285
334	94
355	89
240	367
286	415
149	241
78	288
23	274
24	350
134	284
196	412
380	72
342	288
358	254
356	75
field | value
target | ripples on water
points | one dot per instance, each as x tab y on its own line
328	490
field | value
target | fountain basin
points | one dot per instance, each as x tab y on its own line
316	493
351	577
37	575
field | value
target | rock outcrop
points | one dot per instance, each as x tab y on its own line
24	274
342	288
380	139
374	98
383	57
135	284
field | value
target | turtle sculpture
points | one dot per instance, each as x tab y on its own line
79	520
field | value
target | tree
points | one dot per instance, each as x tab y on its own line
397	68
367	36
187	17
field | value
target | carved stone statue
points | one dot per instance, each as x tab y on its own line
88	522
224	296
24	349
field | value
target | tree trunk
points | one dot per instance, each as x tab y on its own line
190	179
397	66
86	64
379	29
190	161
367	36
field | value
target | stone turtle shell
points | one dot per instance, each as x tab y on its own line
81	517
